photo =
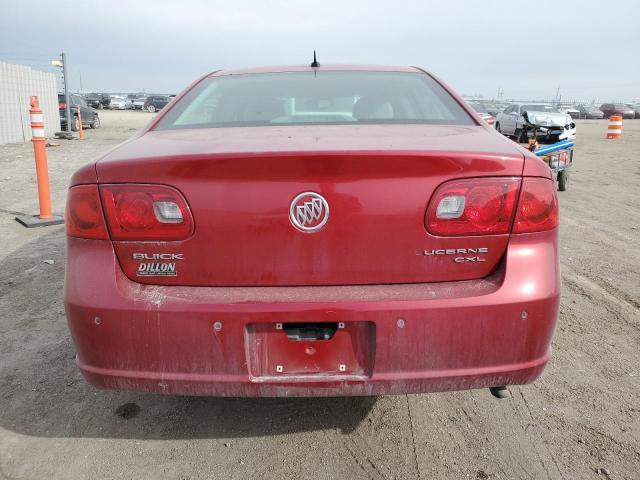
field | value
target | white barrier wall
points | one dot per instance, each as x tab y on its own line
17	84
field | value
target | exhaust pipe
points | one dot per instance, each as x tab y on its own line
500	392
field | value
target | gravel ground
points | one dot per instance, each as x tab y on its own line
579	421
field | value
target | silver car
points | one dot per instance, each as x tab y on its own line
138	103
119	103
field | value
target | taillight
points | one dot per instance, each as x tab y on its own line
83	215
477	206
62	105
538	206
146	212
487	206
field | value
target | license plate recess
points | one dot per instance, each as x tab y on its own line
310	349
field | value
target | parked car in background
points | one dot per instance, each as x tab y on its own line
403	248
636	109
105	100
486	116
571	110
523	121
89	115
589	111
93	100
489	107
501	107
138	103
153	103
617	109
120	103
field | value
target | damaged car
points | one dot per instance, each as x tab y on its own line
543	122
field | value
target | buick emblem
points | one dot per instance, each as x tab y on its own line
309	211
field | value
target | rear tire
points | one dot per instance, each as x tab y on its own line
96	122
562	180
151	108
498	127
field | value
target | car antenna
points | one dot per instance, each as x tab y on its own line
315	63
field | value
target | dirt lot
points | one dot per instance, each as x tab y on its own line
579	421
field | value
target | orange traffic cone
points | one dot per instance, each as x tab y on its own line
42	172
80	131
614	132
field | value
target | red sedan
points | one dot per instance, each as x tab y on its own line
311	231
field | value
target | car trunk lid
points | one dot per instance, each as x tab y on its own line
376	180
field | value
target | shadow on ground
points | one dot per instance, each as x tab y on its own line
43	394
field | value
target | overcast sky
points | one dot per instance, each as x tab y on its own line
527	48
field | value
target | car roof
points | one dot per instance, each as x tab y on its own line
322	67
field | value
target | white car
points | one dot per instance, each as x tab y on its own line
572	111
120	103
524	121
138	103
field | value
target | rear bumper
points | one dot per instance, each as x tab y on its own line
453	336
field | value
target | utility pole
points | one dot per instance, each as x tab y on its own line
62	63
558	94
66	90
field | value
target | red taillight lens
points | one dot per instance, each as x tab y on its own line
83	215
477	206
62	105
538	206
146	212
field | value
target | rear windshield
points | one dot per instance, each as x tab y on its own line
315	98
